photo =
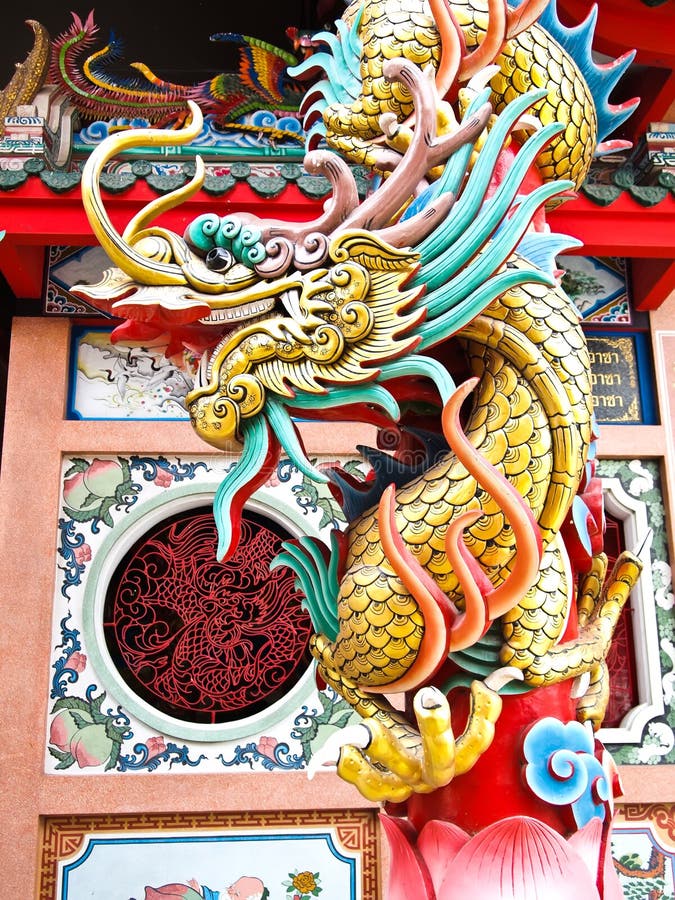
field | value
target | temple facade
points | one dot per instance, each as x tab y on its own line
163	717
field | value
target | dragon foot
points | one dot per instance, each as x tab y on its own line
584	658
387	758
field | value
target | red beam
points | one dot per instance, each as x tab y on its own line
34	214
23	267
652	281
35	217
624	228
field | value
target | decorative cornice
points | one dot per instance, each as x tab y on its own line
267	186
314	187
623	182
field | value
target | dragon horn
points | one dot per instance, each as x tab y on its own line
135	265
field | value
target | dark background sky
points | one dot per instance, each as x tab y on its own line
173	39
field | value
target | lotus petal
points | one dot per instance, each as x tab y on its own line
518	859
408	874
587	842
439	842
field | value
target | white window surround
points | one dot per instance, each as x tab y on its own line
632	514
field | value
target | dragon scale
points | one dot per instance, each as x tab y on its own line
532	421
530	59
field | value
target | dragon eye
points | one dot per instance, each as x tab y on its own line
219	259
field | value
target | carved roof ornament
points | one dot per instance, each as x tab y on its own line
29	76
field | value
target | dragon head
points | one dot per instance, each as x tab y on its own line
296	337
298	318
282	313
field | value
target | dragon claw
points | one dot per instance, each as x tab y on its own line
327	756
501	677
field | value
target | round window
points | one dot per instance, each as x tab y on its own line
199	640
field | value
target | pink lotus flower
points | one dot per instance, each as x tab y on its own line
82	554
155	745
517	858
76	661
266	745
163	479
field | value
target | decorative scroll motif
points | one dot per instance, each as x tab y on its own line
662	815
201	639
643	848
91	727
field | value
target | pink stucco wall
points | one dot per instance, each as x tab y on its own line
36	438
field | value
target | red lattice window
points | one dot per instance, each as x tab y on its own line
621	657
200	640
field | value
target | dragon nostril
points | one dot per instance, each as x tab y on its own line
219	259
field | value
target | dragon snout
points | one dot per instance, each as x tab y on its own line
216	420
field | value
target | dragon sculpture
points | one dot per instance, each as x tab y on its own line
474	581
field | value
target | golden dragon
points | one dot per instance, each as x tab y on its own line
429	274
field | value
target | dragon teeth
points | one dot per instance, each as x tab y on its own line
202	375
291	303
247	311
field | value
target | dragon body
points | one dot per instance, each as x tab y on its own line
455	573
453	41
507	346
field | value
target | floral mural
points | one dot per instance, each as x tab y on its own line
249	855
91	725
